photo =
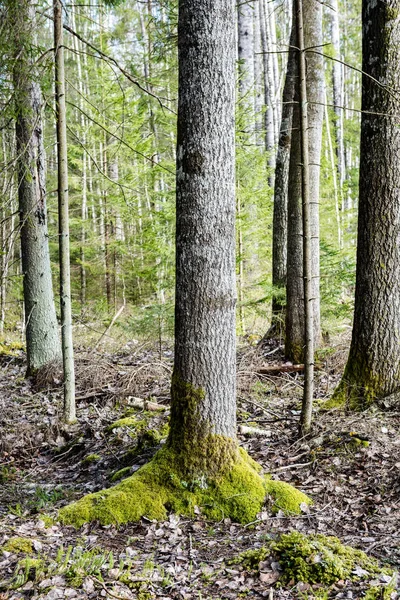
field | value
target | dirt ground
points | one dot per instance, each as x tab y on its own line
350	466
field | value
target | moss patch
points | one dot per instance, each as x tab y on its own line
91	458
318	559
286	497
164	485
128	422
121	474
18	545
321	559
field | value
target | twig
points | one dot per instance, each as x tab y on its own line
115	317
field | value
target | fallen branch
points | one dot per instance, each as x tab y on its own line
254	431
145	404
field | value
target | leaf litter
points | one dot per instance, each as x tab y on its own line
349	465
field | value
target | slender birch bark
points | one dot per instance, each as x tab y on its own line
63	220
41	327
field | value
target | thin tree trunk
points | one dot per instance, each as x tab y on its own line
269	92
246	64
307	404
337	90
334	174
280	217
63	220
42	338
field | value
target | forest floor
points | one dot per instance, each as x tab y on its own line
43	465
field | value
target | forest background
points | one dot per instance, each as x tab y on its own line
121	78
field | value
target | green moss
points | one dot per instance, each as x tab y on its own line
161	486
320	559
47	520
91	458
18	545
359	387
130	422
11	348
380	592
286	497
121	474
250	559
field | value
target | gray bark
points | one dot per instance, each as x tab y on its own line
42	337
279	228
337	89
373	367
205	227
269	90
246	61
294	345
63	219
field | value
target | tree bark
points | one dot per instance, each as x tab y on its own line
246	64
373	367
295	332
42	337
337	91
279	227
203	387
63	219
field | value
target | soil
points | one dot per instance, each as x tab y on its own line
349	465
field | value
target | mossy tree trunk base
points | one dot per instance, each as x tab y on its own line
161	486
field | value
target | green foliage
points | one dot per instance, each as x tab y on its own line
18	545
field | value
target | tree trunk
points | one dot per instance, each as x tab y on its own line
307	404
295	341
63	219
337	90
204	368
279	228
42	337
201	466
246	64
373	366
269	89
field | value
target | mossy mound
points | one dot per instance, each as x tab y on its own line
286	497
18	545
161	486
321	559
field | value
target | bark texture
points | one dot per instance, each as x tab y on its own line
373	368
63	219
279	228
246	62
203	387
294	344
42	337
